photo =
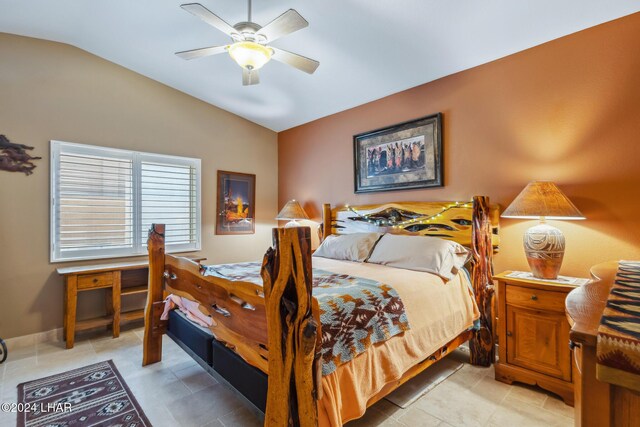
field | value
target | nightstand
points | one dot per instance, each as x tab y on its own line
533	333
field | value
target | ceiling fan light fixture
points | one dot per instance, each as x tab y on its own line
249	46
250	55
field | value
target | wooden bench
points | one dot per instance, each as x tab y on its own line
118	280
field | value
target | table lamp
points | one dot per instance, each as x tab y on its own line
543	244
292	211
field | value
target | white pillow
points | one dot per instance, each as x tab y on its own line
420	253
348	247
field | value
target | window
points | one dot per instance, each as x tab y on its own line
104	200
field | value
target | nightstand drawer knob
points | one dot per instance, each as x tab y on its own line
95	280
534	297
509	333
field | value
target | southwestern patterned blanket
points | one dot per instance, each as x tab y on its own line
355	312
618	349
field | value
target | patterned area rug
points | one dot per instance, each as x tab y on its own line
95	395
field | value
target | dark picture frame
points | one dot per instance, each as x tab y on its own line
236	203
403	156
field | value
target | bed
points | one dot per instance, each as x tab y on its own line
273	325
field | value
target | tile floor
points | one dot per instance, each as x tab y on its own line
178	392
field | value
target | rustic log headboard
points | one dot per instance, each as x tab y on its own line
447	220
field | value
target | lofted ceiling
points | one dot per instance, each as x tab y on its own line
367	49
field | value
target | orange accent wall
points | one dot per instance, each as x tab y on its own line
566	111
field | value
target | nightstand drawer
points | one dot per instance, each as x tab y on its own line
535	299
90	281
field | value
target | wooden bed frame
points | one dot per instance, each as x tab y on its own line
276	327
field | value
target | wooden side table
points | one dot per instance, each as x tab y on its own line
118	279
75	283
533	334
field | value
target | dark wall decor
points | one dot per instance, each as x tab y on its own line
236	206
3	351
399	157
14	157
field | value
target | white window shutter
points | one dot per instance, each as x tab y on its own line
104	200
170	195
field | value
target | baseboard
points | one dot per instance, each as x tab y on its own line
33	339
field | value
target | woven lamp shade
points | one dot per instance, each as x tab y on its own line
543	244
542	199
292	211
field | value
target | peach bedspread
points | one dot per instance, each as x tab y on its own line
437	312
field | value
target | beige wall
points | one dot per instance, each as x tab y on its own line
54	91
566	111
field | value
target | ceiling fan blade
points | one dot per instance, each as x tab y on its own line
297	61
284	24
199	53
209	17
250	77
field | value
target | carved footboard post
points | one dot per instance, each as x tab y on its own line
292	330
482	345
153	330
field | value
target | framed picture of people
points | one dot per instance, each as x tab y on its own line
236	204
399	157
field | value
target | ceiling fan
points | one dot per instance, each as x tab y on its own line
250	48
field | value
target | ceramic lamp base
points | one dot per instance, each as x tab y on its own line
544	247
